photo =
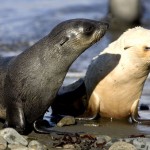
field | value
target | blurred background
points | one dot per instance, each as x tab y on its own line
23	22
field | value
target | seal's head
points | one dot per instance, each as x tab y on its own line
78	34
136	43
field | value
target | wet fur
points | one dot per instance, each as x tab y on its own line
31	80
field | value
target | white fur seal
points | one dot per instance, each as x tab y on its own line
114	80
117	94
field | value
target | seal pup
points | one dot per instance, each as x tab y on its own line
117	95
31	80
114	80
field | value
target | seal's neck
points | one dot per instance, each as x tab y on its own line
53	56
131	75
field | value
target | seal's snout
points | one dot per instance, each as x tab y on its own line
104	24
102	28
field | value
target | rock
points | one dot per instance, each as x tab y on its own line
139	143
17	147
3	143
13	137
68	146
100	143
67	120
55	136
144	107
35	145
122	146
105	137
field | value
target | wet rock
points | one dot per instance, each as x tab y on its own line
100	142
144	107
17	147
139	142
137	136
122	146
105	137
68	146
3	143
67	120
55	136
13	137
35	145
77	146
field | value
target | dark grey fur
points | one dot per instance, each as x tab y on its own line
30	81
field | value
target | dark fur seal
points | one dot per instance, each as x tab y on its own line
30	81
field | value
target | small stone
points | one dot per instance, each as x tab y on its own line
67	120
105	137
55	136
144	107
35	145
17	147
77	146
13	137
128	140
68	146
3	143
122	146
100	141
138	142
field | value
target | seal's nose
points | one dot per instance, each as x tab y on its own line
104	24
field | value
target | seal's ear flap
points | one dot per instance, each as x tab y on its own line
63	40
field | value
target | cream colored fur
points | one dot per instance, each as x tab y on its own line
116	77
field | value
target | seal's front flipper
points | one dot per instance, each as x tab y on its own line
15	116
43	126
140	120
71	99
135	116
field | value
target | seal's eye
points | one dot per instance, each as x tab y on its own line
89	30
147	48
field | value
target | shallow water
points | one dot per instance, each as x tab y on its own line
24	22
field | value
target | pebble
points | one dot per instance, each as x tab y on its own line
67	120
138	142
100	141
122	146
13	137
17	147
144	107
105	137
3	143
35	145
68	146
